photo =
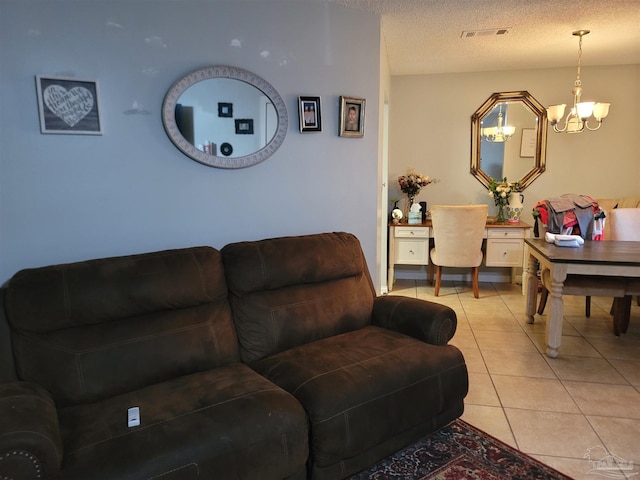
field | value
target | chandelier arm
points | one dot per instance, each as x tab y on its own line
571	118
586	124
558	129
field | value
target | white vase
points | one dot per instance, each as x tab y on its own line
514	209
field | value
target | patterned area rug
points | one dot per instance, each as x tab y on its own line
459	451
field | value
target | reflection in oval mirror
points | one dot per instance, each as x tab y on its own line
225	117
509	139
212	112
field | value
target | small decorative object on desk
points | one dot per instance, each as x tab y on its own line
395	207
501	191
514	209
396	213
411	184
415	216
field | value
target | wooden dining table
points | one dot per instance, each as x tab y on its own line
609	258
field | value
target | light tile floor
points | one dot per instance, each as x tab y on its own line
566	411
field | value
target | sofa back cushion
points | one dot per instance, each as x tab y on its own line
91	330
290	291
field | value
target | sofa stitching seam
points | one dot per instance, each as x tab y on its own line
389	352
125	342
190	412
173	470
405	387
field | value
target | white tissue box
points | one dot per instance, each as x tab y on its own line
415	218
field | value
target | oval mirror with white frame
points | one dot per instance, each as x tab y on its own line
508	139
225	117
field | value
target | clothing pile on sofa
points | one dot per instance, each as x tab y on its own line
570	214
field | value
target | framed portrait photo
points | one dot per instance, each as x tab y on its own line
309	114
68	106
352	116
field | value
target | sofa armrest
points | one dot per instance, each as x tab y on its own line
30	443
427	321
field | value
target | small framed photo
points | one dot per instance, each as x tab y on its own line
68	106
352	116
244	126
225	109
528	143
309	114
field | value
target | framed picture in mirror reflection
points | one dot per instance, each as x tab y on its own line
225	109
244	126
528	143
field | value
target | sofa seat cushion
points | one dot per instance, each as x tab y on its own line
363	387
224	423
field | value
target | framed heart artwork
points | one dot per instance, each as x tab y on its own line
68	106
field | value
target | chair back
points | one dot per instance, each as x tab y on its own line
458	231
624	224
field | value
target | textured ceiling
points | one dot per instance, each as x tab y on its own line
425	36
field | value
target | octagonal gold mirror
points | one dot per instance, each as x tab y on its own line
508	138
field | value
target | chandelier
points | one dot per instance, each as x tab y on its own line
578	117
499	133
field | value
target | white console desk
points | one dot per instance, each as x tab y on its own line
504	247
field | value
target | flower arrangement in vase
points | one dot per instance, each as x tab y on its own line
412	183
501	190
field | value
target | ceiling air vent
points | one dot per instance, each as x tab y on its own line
484	33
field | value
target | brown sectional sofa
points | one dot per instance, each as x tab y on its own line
266	360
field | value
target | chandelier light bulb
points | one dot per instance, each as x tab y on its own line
600	110
585	109
555	112
509	131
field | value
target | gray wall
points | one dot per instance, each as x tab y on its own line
66	198
70	197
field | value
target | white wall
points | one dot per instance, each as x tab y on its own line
69	197
383	167
430	130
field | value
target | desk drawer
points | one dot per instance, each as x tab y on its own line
412	252
504	253
412	232
505	233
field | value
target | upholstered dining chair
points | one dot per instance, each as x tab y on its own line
624	225
457	236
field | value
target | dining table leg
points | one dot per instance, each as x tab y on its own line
558	274
531	288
